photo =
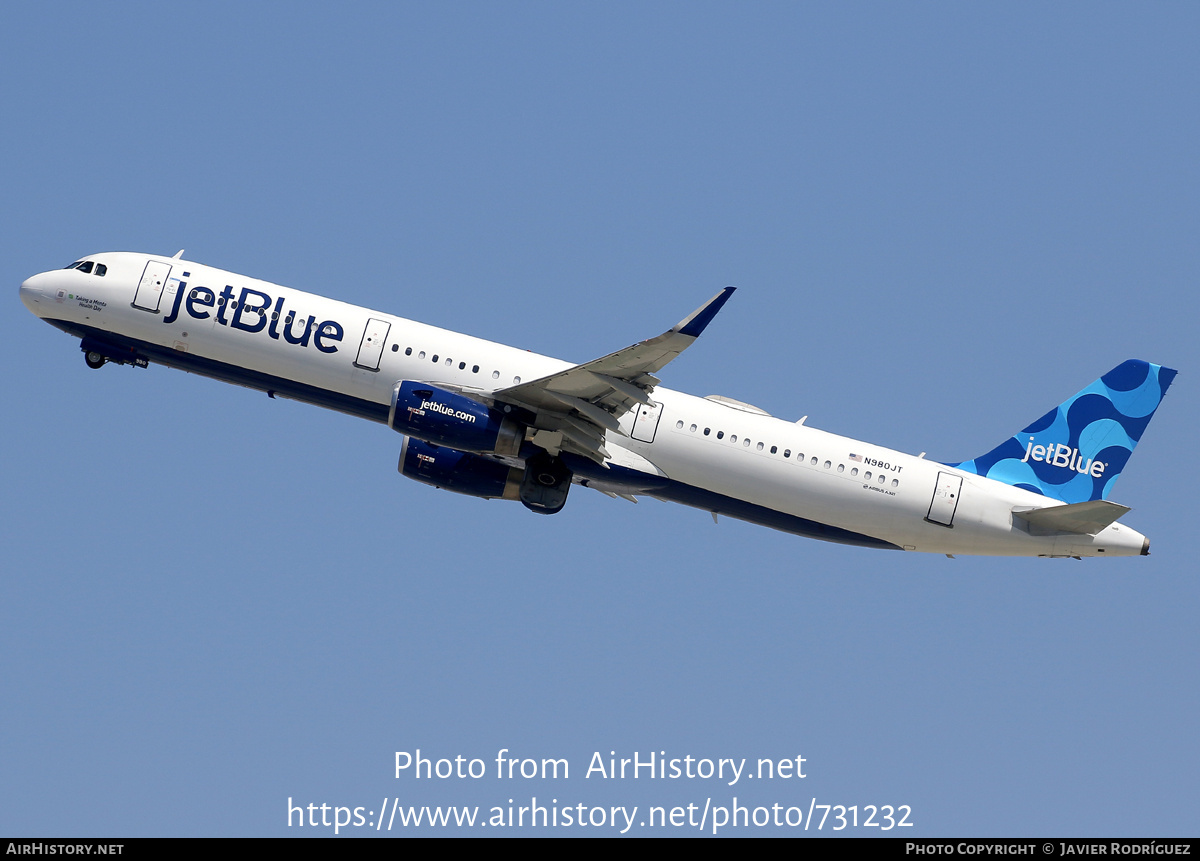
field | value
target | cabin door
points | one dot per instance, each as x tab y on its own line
150	288
945	499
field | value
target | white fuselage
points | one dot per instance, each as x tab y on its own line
724	458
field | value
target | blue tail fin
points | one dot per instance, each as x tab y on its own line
1076	451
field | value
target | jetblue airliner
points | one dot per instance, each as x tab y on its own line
496	422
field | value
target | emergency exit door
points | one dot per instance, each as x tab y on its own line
645	423
371	346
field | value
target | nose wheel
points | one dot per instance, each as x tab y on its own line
94	360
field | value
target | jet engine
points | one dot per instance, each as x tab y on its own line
459	471
447	418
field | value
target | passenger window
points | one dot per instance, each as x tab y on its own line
746	442
495	375
475	369
395	347
854	471
828	464
882	478
706	430
813	461
449	362
101	269
421	355
693	428
733	437
461	365
679	425
760	447
774	449
787	452
435	358
408	351
516	380
841	467
867	475
895	482
720	434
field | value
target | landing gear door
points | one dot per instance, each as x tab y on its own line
150	288
945	499
371	347
645	423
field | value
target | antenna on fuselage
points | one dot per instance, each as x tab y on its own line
178	255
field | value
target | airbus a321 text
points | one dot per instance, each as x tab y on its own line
497	422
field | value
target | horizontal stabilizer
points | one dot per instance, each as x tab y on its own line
1081	518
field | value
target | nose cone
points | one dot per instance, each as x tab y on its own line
37	294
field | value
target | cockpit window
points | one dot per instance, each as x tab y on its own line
86	266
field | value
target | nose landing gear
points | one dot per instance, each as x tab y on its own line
98	353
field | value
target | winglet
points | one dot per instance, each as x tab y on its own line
696	322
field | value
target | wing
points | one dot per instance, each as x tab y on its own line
575	407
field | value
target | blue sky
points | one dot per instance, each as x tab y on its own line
944	219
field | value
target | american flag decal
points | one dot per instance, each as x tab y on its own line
856	457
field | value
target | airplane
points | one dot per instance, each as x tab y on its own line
487	420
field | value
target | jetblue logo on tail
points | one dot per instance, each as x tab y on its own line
1076	451
1057	454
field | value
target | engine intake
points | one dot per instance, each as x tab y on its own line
447	418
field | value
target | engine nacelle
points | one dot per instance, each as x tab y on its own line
459	471
447	418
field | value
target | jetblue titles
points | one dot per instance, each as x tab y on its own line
1065	456
250	314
